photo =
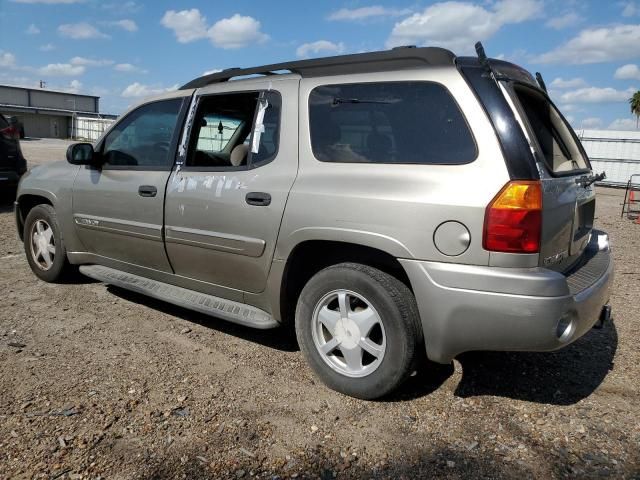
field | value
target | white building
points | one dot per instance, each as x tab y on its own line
615	152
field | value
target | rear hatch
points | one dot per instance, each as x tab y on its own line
568	200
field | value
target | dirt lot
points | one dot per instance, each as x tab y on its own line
98	382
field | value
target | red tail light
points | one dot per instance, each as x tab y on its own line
513	219
10	132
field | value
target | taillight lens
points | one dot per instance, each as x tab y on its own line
513	219
9	132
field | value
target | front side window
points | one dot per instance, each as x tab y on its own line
143	138
389	122
235	130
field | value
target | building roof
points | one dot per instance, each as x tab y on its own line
47	90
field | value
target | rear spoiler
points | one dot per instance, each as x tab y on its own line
505	71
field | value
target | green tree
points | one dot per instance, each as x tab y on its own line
635	106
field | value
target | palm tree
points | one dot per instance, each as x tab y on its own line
635	106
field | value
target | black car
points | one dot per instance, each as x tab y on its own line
12	162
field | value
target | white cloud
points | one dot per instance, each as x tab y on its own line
32	30
128	68
209	72
7	59
563	21
49	2
125	24
630	9
570	83
591	122
80	31
74	86
125	7
236	32
47	47
136	90
623	124
188	25
594	45
628	72
365	13
61	69
458	25
321	46
90	62
596	95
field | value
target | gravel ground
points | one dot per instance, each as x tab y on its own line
99	382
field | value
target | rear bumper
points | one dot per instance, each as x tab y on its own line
464	308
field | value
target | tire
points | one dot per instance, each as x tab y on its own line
374	350
40	220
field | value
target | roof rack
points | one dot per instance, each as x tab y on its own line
399	58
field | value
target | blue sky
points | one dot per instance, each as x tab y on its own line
588	52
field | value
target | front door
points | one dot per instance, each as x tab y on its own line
118	208
225	204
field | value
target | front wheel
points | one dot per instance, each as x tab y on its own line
43	244
359	329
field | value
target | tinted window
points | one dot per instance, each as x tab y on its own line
143	138
392	122
3	122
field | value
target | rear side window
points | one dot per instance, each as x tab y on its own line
225	123
389	122
3	122
557	142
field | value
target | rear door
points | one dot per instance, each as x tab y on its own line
568	204
118	209
226	200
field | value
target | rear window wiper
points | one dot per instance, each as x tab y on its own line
587	180
338	101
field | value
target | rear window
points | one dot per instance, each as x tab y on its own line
554	136
390	122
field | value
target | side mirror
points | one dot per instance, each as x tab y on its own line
81	154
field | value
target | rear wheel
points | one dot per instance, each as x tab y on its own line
359	329
43	244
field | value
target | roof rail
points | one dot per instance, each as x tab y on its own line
399	58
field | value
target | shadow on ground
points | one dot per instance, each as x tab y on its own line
560	378
283	339
7	198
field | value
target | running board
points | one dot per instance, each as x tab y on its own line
201	302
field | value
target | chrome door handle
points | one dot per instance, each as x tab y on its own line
258	199
147	191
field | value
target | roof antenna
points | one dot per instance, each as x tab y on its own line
482	56
540	81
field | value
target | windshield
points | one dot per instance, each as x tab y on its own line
556	140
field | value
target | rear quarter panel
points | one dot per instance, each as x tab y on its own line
394	207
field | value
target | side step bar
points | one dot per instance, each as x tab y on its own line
234	312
